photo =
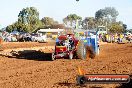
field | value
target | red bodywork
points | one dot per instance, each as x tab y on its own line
63	49
62	37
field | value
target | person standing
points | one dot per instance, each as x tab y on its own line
129	38
121	37
107	37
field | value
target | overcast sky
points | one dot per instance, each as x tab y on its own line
58	9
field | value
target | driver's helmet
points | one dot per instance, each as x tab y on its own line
70	38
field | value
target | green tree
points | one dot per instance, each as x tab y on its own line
106	16
28	19
130	30
89	23
56	26
124	26
72	19
47	22
9	28
116	28
12	27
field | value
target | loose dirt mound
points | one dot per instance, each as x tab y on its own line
31	73
14	45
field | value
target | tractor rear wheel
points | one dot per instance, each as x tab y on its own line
81	50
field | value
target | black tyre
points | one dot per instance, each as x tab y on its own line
81	80
81	50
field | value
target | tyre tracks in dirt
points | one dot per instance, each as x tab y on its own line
61	73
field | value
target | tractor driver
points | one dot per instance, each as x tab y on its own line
71	42
62	43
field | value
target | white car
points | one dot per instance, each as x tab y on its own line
39	38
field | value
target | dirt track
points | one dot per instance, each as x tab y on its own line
33	70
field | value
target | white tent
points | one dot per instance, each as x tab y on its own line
49	30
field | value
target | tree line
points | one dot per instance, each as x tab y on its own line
28	21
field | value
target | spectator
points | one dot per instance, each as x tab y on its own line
121	37
107	37
129	38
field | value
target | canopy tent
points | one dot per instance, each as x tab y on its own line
50	30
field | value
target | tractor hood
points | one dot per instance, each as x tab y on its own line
62	37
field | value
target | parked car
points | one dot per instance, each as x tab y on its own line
38	38
10	38
24	37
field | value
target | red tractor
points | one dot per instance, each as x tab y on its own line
69	46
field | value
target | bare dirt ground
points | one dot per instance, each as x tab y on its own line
34	69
